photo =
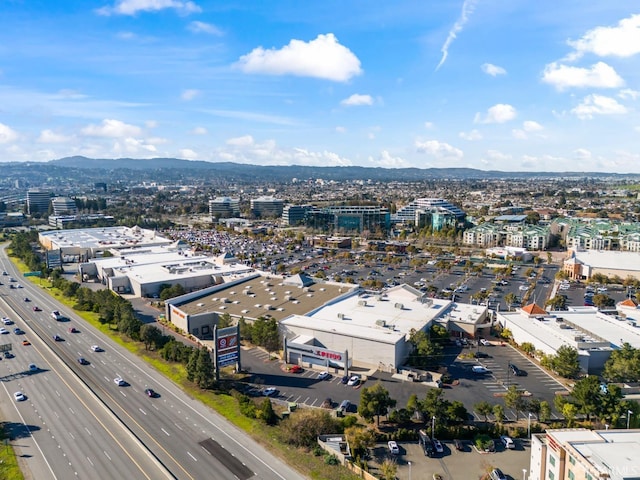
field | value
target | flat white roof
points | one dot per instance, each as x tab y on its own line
555	329
388	317
105	237
611	259
616	330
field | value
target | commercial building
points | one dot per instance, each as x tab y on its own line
266	207
143	271
353	219
583	264
224	207
375	328
64	206
86	243
581	454
594	334
66	221
436	208
295	215
38	201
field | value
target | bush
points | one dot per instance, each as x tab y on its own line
331	460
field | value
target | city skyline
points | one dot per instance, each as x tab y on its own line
492	85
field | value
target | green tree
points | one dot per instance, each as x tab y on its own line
513	399
566	362
150	335
302	428
266	412
388	469
545	411
375	401
456	412
587	396
484	408
559	302
200	368
265	334
528	348
510	299
569	412
609	408
434	405
360	439
602	301
425	351
498	412
623	365
412	403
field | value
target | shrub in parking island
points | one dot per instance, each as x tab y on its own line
303	427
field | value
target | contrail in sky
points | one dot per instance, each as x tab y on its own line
467	10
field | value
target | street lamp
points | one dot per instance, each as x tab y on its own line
529	426
629	412
409	470
433	427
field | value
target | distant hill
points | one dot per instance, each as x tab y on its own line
283	173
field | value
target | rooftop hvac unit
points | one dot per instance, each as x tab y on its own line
381	323
399	306
341	316
200	304
362	303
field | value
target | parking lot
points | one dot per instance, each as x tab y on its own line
305	387
453	464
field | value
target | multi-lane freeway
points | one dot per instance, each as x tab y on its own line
142	437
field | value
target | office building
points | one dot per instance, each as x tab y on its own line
224	207
64	206
295	215
266	207
38	201
407	214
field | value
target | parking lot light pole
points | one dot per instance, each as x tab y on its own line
409	470
433	427
629	412
529	426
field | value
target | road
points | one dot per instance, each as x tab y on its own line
188	438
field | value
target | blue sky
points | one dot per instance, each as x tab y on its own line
513	85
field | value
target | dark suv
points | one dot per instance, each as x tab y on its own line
516	371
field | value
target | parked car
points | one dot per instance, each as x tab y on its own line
458	444
354	381
344	379
479	369
324	375
517	371
437	444
269	391
496	474
507	442
296	369
327	403
393	448
485	342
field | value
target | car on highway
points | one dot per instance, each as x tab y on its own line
26	299
3	331
19	396
96	348
56	315
33	367
26	342
324	375
393	447
119	381
17	331
82	361
73	330
150	392
36	308
7	321
354	381
269	391
8	354
57	338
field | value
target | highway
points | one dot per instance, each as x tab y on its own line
190	440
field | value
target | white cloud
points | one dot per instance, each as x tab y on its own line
622	40
386	160
600	75
323	57
132	7
493	70
203	27
111	128
151	123
126	35
499	113
188	154
628	93
519	134
48	136
243	141
189	94
496	155
598	105
199	131
438	149
7	134
429	125
340	129
357	100
582	154
132	145
467	10
471	136
531	126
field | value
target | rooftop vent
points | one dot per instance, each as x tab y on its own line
341	316
399	306
362	303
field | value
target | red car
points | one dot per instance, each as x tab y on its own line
296	369
37	309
